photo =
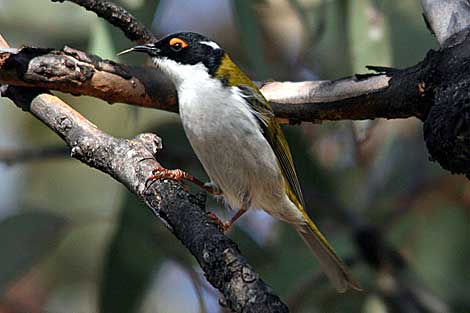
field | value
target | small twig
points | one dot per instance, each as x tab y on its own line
14	156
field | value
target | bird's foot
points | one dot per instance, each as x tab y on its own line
179	175
161	172
223	226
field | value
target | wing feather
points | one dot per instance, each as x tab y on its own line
275	136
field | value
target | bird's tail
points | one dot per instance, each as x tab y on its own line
333	266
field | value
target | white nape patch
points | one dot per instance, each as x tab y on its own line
211	44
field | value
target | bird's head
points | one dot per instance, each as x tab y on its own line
182	55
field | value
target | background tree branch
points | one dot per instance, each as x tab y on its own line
446	18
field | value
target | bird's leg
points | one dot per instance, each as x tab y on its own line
225	226
179	175
235	218
216	220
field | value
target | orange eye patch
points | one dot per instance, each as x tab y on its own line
178	41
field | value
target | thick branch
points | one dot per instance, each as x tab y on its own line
78	73
394	94
446	18
391	95
131	162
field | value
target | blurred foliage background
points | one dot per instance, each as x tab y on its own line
74	240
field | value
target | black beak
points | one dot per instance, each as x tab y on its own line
149	49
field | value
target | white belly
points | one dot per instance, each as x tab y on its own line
230	145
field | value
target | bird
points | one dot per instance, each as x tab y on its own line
233	131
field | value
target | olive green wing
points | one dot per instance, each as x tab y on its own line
275	136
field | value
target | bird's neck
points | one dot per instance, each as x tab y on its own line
227	73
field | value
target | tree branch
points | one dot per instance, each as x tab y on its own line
131	162
389	95
446	18
394	94
73	71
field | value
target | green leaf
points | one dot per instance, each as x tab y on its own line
25	238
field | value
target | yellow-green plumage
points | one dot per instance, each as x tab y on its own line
230	73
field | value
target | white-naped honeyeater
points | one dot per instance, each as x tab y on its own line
232	129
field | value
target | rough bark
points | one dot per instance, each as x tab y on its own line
447	127
73	71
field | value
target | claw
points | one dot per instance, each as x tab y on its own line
223	226
179	175
161	172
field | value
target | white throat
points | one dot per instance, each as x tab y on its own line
182	74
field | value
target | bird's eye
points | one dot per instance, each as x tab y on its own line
177	44
177	47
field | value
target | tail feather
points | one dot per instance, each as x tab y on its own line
334	268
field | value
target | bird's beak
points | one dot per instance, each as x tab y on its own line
149	49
